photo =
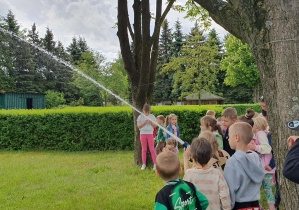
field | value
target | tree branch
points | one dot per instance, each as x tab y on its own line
226	15
159	21
124	39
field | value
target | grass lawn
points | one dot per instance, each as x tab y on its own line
77	180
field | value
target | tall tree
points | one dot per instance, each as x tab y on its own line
164	81
11	23
239	65
48	41
178	38
270	28
141	67
198	60
33	35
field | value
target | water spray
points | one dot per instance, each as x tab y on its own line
185	144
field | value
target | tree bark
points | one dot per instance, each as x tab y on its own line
270	27
141	64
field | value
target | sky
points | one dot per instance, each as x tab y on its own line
90	19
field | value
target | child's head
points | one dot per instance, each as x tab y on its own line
173	119
168	166
229	117
171	144
211	113
247	117
263	103
201	151
260	124
146	109
208	123
240	133
160	119
211	138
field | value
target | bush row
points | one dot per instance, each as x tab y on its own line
86	128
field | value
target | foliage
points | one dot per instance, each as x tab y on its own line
90	128
239	64
195	69
54	99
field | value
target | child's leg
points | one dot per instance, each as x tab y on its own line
143	140
150	141
267	186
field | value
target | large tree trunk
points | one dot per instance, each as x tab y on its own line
270	27
141	62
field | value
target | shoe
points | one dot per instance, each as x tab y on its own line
143	167
154	168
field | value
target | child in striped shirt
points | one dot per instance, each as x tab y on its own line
207	180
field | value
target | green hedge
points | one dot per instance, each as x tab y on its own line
90	128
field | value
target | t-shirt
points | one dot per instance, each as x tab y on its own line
147	128
179	194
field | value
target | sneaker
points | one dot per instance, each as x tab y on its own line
154	168
143	166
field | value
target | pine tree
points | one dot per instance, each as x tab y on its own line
178	39
48	41
11	23
163	81
74	50
33	35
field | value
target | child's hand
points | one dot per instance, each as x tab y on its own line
268	168
252	146
187	153
291	140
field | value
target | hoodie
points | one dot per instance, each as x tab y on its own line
244	174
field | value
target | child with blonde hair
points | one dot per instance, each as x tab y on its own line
170	145
211	113
208	123
219	157
261	145
176	194
207	179
146	128
174	129
244	171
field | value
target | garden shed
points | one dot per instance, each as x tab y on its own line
22	100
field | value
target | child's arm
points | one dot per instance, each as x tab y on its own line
264	147
224	194
229	175
203	201
186	158
291	165
167	135
142	124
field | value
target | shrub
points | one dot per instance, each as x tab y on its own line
54	99
90	128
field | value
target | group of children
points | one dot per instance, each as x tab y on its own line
228	169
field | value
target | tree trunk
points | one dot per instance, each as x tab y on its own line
141	66
271	29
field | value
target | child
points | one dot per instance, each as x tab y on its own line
174	129
219	157
207	179
176	194
171	145
291	165
160	136
208	123
211	113
244	171
261	145
229	117
250	113
146	128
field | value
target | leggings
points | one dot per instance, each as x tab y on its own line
147	139
267	187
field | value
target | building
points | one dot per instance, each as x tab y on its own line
22	100
205	99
